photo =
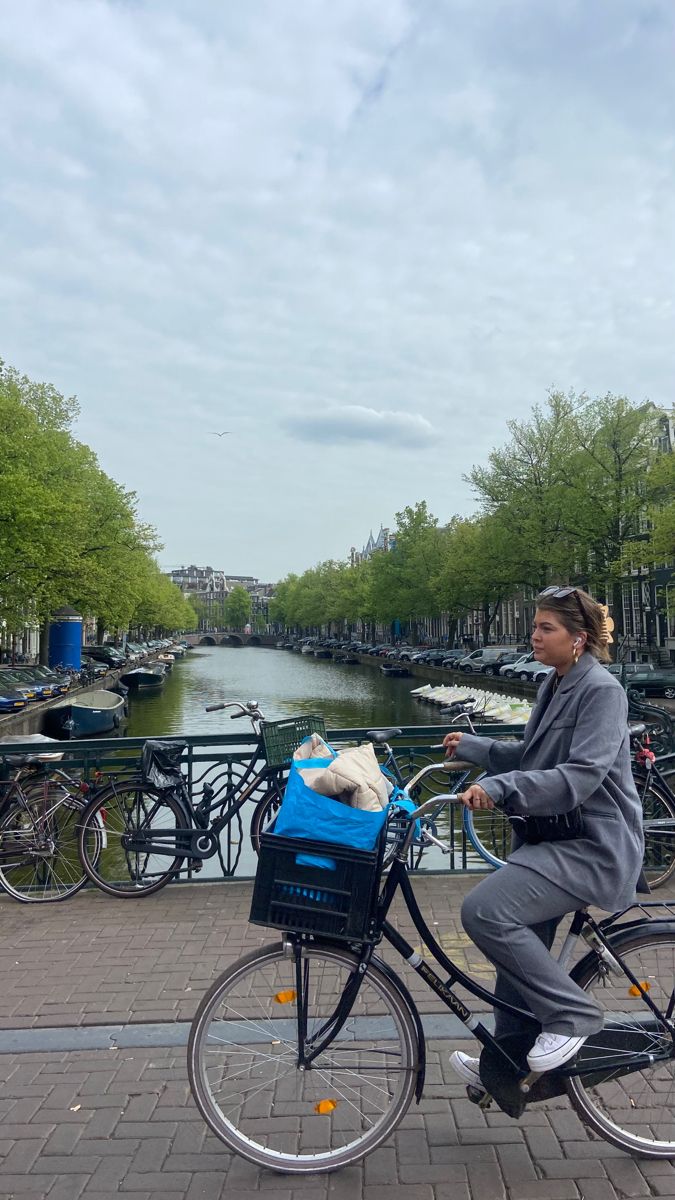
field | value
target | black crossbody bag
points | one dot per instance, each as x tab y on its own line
554	827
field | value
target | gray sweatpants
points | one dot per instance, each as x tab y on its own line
512	916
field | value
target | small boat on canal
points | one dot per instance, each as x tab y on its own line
394	669
145	679
88	715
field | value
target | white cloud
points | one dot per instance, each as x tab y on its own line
353	423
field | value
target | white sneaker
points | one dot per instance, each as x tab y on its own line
552	1050
467	1068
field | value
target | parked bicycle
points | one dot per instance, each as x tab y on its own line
157	831
305	1055
40	808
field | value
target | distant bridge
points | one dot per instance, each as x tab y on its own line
230	637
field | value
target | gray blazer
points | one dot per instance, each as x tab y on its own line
576	750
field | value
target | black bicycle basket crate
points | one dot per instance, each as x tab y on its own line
282	738
304	897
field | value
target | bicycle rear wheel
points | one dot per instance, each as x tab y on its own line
39	856
658	823
243	1060
636	1111
123	810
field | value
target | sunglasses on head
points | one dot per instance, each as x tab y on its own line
559	593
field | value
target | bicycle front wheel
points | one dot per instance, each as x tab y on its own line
243	1060
123	811
39	856
636	1111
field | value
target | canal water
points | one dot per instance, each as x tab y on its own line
285	684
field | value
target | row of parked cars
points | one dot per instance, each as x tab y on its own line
21	685
645	679
113	657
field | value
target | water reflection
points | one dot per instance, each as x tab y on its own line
285	684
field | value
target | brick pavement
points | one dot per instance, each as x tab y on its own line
106	1123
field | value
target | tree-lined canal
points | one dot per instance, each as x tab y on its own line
284	684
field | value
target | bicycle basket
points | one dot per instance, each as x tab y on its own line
319	888
282	738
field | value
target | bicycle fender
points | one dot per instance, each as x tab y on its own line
619	937
421	1040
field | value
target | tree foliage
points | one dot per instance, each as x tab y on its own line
69	534
562	500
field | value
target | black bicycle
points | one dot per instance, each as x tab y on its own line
156	830
305	1055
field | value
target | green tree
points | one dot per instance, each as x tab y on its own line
237	609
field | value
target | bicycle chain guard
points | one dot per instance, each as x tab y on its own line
503	1085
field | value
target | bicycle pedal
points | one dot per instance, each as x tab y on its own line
478	1095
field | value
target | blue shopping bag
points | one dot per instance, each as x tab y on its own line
306	814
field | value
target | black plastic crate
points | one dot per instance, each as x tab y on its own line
282	738
308	898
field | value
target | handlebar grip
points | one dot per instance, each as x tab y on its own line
233	716
213	707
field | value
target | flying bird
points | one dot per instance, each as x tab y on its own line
212	433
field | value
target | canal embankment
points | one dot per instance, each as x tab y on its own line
31	719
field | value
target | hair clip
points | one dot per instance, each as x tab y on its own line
607	624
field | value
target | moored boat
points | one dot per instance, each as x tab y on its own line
86	715
143	679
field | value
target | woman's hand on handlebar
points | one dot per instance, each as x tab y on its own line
475	797
451	742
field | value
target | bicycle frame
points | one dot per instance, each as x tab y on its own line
397	879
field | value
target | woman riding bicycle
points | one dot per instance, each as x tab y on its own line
569	792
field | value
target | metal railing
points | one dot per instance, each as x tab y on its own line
221	759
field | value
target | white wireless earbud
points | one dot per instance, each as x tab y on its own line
578	642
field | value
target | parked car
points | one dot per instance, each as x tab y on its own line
402	653
452	657
477	659
107	654
645	679
492	662
46	682
430	658
24	690
10	699
533	672
510	669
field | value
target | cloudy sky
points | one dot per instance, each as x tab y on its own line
359	234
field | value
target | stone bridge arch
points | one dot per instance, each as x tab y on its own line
231	639
207	640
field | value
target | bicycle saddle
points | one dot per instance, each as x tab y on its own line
376	736
635	728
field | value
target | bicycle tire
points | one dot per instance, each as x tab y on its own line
39	845
302	1121
658	823
263	815
492	829
115	870
634	1112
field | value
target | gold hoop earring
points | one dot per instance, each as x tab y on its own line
575	656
